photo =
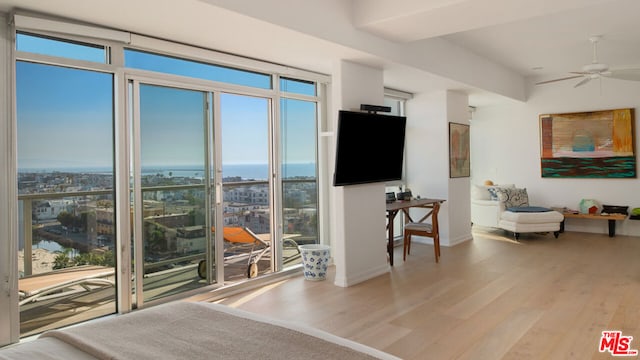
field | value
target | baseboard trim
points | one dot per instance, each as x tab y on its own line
363	276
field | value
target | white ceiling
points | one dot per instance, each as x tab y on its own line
509	37
521	34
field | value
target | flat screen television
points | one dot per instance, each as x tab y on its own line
369	148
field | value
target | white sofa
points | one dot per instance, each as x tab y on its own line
484	210
507	207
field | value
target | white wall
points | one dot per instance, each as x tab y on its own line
427	152
505	148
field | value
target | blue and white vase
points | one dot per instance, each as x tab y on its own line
315	259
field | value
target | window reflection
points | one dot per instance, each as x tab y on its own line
298	86
61	48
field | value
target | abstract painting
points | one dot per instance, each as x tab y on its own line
459	159
595	144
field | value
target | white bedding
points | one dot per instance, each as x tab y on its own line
190	331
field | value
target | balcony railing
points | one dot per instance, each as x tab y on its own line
29	199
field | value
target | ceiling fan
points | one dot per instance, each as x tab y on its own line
597	70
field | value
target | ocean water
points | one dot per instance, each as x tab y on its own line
245	171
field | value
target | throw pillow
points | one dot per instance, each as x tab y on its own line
513	197
493	195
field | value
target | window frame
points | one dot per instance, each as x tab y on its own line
114	42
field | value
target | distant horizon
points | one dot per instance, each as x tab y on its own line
161	166
245	171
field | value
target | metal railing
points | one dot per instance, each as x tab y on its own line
30	198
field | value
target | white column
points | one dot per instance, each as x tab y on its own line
427	152
358	215
459	194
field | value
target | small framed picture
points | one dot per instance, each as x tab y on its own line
459	157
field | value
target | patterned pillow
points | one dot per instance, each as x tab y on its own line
493	194
513	197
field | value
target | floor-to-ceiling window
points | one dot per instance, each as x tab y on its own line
298	119
66	240
202	149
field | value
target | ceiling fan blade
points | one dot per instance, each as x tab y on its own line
554	80
625	74
582	82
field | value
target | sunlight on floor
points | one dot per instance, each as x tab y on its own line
495	235
252	294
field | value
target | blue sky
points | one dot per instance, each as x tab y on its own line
48	133
65	116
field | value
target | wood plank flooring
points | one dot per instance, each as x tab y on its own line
489	298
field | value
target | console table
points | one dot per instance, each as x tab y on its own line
610	217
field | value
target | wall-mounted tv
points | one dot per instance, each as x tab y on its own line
369	148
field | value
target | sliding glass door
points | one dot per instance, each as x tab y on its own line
246	184
177	192
171	208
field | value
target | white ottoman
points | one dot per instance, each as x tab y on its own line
530	219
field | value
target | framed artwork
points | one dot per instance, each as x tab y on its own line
459	159
595	144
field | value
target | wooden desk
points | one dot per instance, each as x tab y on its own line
611	217
393	208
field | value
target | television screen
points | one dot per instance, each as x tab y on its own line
369	148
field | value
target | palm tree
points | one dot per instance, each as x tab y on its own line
62	260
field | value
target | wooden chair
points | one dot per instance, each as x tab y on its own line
423	229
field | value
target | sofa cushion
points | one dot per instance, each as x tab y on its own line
531	217
512	197
480	192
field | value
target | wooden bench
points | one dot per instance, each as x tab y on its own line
610	217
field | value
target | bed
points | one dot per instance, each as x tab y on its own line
189	330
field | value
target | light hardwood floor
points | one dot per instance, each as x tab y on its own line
489	298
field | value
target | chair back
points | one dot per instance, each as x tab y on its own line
423	229
420	228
